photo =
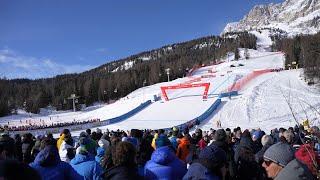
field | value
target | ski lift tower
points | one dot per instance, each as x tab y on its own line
168	73
74	101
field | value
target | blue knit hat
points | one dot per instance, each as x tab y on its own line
162	140
280	153
257	134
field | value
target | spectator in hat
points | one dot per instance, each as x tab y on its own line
164	164
64	133
256	138
209	165
280	163
246	166
48	164
66	150
84	162
266	142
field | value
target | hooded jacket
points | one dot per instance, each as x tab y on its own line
307	155
86	166
164	165
49	166
295	170
198	171
100	154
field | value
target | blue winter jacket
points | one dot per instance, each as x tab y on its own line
86	166
164	164
48	164
198	171
100	154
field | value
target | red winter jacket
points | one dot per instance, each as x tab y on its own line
305	154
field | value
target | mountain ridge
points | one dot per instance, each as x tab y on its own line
293	16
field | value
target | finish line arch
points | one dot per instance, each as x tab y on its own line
184	86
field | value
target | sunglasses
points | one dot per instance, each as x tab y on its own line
267	162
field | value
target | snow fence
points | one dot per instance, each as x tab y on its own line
79	127
237	86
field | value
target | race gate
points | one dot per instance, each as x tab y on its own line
183	86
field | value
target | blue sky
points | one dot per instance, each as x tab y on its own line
43	38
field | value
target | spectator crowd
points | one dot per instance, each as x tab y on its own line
284	154
45	126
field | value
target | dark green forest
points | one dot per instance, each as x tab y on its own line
112	81
304	50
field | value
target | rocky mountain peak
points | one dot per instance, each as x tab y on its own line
292	16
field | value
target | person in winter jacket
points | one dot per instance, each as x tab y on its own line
266	142
125	166
203	142
256	138
309	157
246	166
220	140
84	162
183	148
49	165
173	139
100	154
66	150
27	144
18	145
164	164
210	165
280	163
64	133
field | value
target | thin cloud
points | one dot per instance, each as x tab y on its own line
101	50
14	65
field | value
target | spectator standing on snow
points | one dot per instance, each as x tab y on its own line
164	164
84	162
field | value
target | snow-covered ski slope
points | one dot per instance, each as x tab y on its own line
265	102
187	104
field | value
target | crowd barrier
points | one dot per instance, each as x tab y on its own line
228	94
237	86
78	127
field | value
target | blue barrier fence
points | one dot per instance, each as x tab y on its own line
127	115
228	94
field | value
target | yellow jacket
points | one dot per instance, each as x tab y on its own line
60	140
